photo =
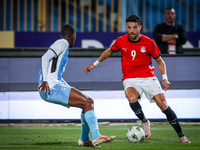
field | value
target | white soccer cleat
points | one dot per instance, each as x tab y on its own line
103	139
146	127
183	139
87	143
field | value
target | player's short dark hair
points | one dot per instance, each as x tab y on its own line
133	18
67	31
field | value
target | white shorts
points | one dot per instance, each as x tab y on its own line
150	86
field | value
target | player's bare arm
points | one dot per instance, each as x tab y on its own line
107	53
162	68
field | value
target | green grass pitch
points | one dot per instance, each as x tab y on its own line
66	137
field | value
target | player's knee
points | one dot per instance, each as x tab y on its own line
90	101
132	99
161	101
89	104
163	106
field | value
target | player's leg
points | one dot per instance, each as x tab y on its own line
171	116
133	96
155	92
85	128
85	138
77	99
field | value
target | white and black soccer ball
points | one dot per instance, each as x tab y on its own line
135	134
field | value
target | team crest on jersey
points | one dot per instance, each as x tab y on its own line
143	49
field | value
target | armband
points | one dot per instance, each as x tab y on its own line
96	63
164	76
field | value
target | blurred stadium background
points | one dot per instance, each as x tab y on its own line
28	28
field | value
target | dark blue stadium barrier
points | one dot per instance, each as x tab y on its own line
45	39
21	73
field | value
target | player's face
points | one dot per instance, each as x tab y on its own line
73	38
133	30
170	15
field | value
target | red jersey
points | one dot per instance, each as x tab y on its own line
136	56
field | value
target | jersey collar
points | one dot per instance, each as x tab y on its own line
134	41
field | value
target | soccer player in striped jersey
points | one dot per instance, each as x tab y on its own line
54	89
139	73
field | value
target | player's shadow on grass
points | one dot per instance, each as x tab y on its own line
55	143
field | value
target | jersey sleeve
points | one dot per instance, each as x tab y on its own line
155	51
115	46
58	46
45	63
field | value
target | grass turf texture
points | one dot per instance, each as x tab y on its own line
66	137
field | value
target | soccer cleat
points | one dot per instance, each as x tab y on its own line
183	139
103	139
146	127
87	143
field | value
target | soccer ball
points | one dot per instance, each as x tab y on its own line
135	134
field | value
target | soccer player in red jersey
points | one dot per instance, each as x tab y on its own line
139	73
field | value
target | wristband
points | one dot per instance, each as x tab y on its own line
164	76
96	63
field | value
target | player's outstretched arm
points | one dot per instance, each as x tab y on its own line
166	83
162	68
107	53
88	68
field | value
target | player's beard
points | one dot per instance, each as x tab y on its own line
134	38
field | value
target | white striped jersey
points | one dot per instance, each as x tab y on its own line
57	65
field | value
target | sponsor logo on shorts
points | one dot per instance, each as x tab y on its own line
64	87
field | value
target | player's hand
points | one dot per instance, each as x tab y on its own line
88	68
166	84
44	87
